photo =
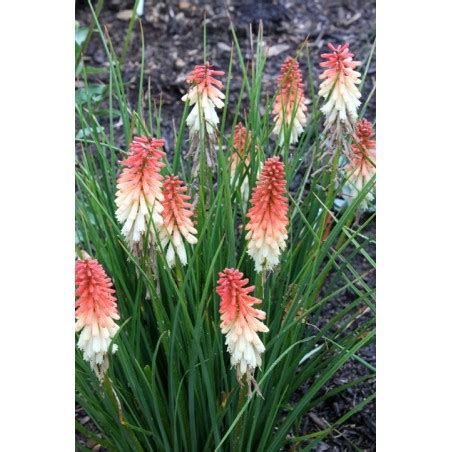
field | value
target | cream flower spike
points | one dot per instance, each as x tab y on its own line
139	194
339	87
362	159
95	311
241	155
204	95
268	220
290	104
177	224
241	322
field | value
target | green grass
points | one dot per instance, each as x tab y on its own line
170	386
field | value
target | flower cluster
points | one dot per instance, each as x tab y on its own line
241	154
241	145
339	87
267	228
362	158
139	189
204	95
95	311
177	223
290	104
151	207
241	322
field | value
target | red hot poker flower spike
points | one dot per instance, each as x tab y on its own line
290	102
139	193
241	153
362	158
204	94
267	228
241	143
177	221
95	311
240	322
364	132
339	86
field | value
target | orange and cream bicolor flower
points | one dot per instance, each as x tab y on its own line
139	193
362	159
290	104
267	228
241	154
240	147
339	86
241	322
204	95
177	223
95	311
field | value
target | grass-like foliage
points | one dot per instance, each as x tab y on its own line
169	386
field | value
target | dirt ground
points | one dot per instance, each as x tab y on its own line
173	34
173	45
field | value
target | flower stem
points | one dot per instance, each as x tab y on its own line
239	429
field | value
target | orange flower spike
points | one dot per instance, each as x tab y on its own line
241	144
289	102
240	153
177	223
364	132
267	228
139	194
241	322
204	94
338	87
95	311
361	167
328	225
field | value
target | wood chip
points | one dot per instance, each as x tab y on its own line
180	79
277	49
184	5
179	63
224	47
353	19
126	14
318	421
84	420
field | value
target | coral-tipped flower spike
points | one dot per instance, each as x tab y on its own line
362	158
241	145
139	186
241	154
339	86
95	313
240	322
267	228
290	104
204	94
177	223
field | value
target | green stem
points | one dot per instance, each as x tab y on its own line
239	429
115	401
179	276
259	284
92	24
329	204
125	46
